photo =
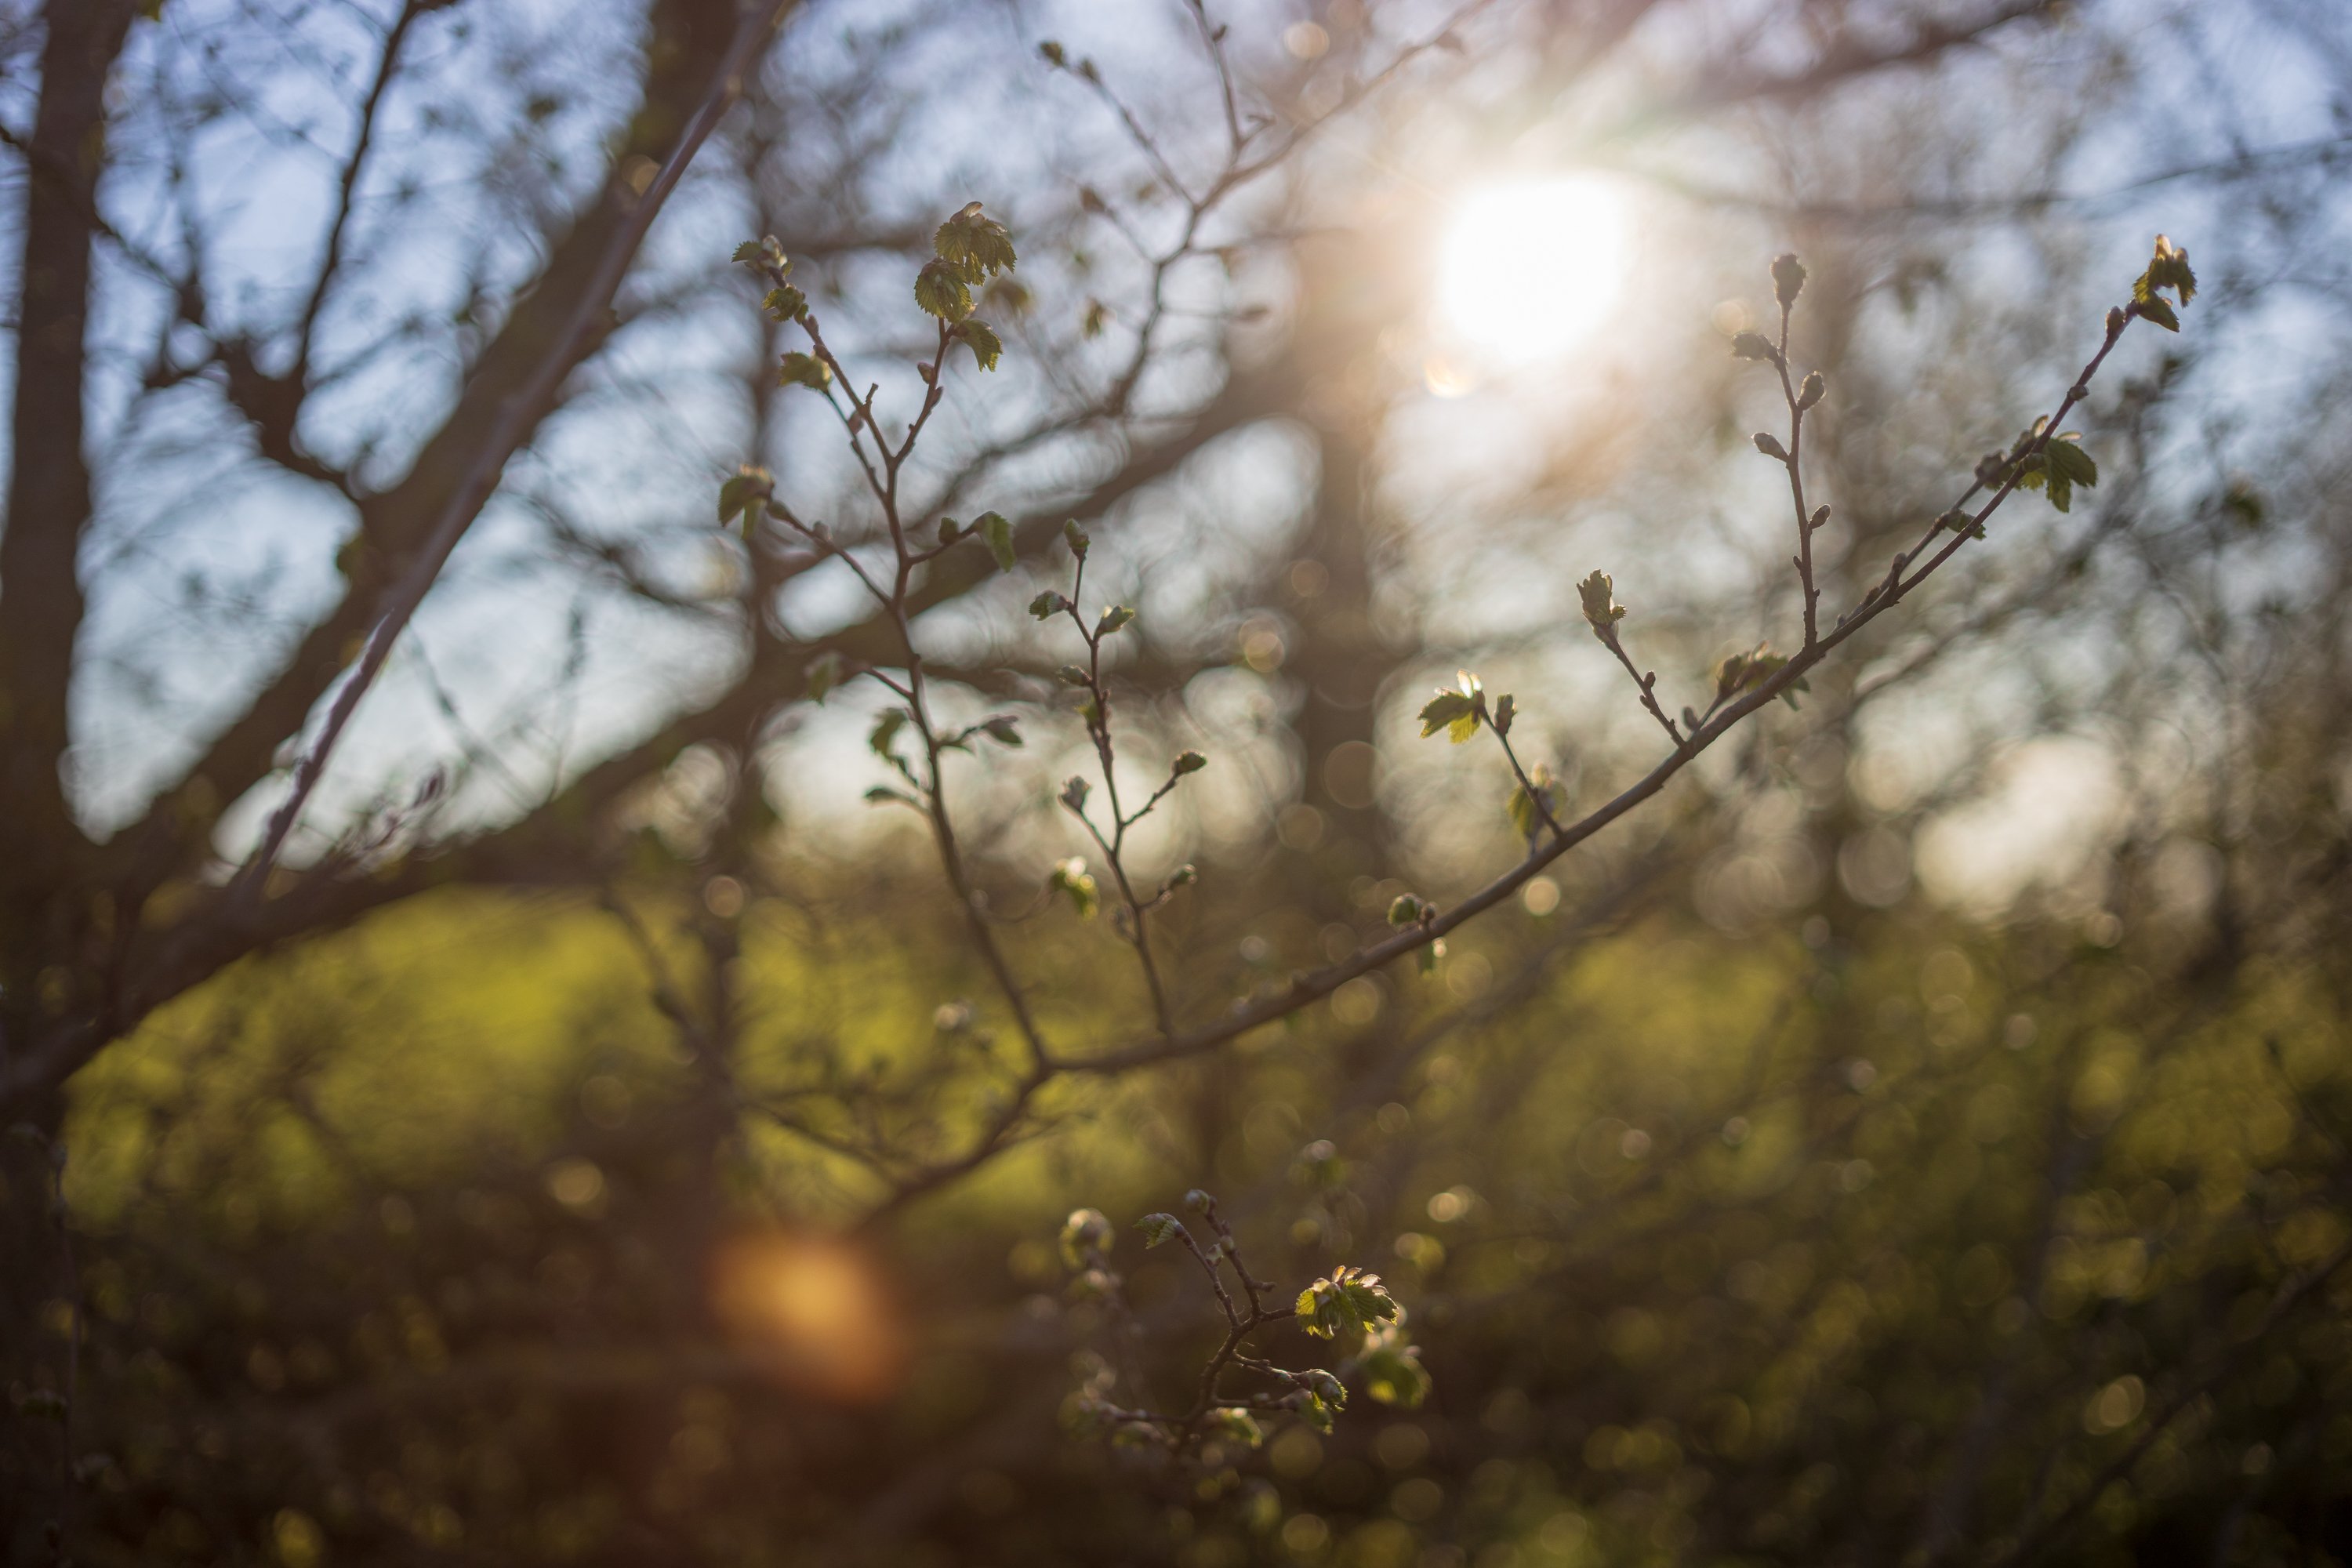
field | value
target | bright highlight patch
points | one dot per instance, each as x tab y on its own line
816	1310
1531	268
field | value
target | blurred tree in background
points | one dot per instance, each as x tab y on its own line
1919	1137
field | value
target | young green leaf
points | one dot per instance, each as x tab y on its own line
797	368
1116	617
1455	712
1527	810
981	340
1349	1299
1159	1228
1048	605
997	533
785	303
742	492
941	291
1074	795
886	731
1002	728
976	246
1601	606
1187	763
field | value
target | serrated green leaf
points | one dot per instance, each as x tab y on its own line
785	304
978	336
2160	312
1449	711
2067	458
976	246
993	528
1159	1228
941	291
749	253
1349	1299
823	675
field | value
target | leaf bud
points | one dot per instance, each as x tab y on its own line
1184	875
1055	55
1813	391
1820	520
1755	346
1074	794
1769	445
2115	319
1503	714
1199	1200
1188	762
1071	675
1597	594
1406	909
1788	278
1047	604
1077	538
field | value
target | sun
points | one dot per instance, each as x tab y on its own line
1532	267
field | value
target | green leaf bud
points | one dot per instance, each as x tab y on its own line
1769	445
1814	389
1188	762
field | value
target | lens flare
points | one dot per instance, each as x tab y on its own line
1530	268
816	1310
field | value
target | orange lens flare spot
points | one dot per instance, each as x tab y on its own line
817	1311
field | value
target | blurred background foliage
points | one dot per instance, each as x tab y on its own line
1921	1138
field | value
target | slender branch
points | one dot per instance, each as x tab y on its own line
464	503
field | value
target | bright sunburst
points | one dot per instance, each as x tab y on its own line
1530	269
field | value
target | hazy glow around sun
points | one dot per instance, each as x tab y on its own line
1530	269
